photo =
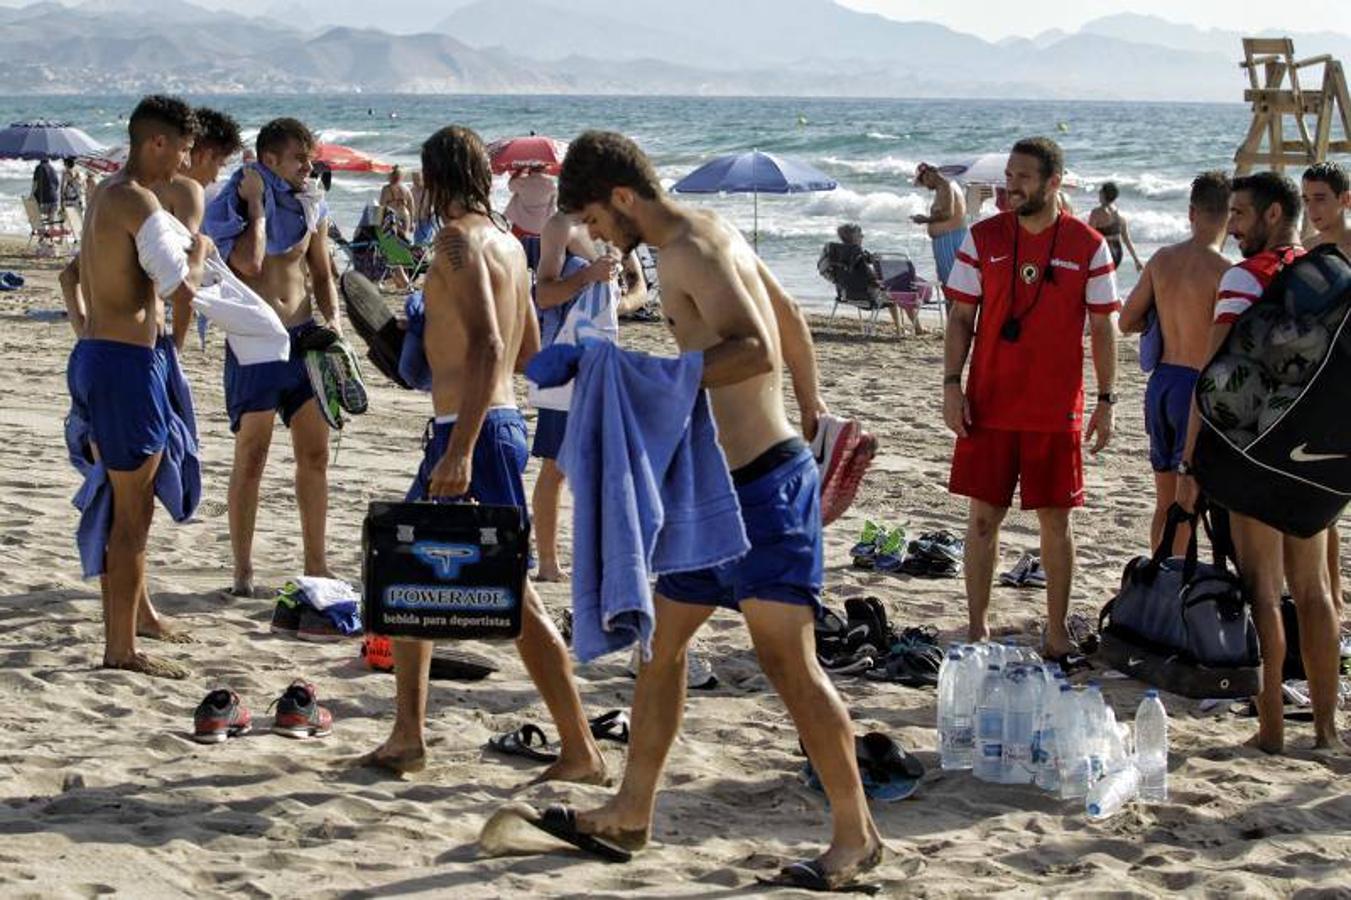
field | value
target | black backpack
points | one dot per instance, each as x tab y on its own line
1296	474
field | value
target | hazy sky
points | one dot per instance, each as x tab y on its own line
994	19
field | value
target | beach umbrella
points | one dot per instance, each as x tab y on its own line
754	173
988	168
105	161
346	159
45	140
524	152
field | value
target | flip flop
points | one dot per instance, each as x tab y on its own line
611	726
528	742
811	875
451	664
561	822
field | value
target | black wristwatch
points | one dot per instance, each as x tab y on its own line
1108	397
1184	468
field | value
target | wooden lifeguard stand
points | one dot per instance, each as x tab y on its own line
1273	100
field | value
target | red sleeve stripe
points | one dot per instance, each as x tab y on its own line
968	259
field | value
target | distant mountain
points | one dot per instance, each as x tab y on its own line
743	47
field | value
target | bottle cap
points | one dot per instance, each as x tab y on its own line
1151	694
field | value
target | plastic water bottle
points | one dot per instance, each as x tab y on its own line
962	687
1151	748
1043	732
947	706
1020	715
989	751
1055	699
1071	743
1112	792
1095	731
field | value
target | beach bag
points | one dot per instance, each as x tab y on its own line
444	571
378	327
1275	439
1181	624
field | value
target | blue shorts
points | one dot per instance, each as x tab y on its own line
782	514
283	387
122	390
1168	405
498	460
549	429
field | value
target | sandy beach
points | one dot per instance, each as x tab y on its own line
102	790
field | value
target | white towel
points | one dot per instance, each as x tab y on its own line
253	329
162	247
321	593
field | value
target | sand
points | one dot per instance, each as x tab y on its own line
101	790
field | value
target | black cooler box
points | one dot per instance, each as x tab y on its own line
444	571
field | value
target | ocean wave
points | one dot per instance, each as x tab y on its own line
877	206
1146	184
883	136
1157	227
886	165
340	136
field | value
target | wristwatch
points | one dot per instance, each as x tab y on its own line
1108	397
950	380
1184	468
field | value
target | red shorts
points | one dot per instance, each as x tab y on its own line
1048	466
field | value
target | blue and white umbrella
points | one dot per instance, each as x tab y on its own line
754	173
46	140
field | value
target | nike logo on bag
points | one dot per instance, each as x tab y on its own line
1301	454
1133	662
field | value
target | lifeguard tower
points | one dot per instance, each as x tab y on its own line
1281	88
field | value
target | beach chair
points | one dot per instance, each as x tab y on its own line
397	255
909	291
852	270
42	229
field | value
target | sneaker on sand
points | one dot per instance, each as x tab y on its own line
1017	576
1036	575
317	628
299	714
285	616
221	715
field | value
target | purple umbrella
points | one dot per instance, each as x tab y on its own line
46	140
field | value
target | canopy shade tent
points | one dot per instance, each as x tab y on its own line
46	140
988	168
754	173
525	152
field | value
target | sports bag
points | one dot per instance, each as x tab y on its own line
1293	471
1180	624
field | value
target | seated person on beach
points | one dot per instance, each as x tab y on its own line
1031	277
118	372
1326	192
1264	214
1109	222
272	229
857	274
480	328
721	300
1179	285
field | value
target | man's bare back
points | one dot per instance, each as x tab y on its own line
1182	280
184	199
474	241
710	278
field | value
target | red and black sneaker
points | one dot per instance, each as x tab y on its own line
844	451
221	715
299	714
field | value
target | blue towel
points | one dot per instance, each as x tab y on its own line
178	482
1151	342
291	214
651	491
413	366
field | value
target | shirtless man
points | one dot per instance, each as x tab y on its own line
560	238
117	371
1264	214
480	329
1179	284
396	204
1326	192
183	196
719	298
946	222
255	394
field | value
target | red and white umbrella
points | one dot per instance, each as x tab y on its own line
527	152
106	162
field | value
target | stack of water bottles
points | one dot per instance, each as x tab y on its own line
1013	719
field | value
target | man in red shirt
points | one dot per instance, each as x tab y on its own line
1264	212
1028	277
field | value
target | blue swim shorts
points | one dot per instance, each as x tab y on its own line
1168	404
549	429
498	461
122	391
264	387
781	510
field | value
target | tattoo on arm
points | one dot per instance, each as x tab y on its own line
457	251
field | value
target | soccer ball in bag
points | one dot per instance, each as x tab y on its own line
1231	389
1294	349
1275	405
1252	331
1319	284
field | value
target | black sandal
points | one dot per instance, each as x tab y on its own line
561	822
611	726
528	742
811	875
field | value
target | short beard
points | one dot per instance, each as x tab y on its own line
629	236
1256	241
1033	206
